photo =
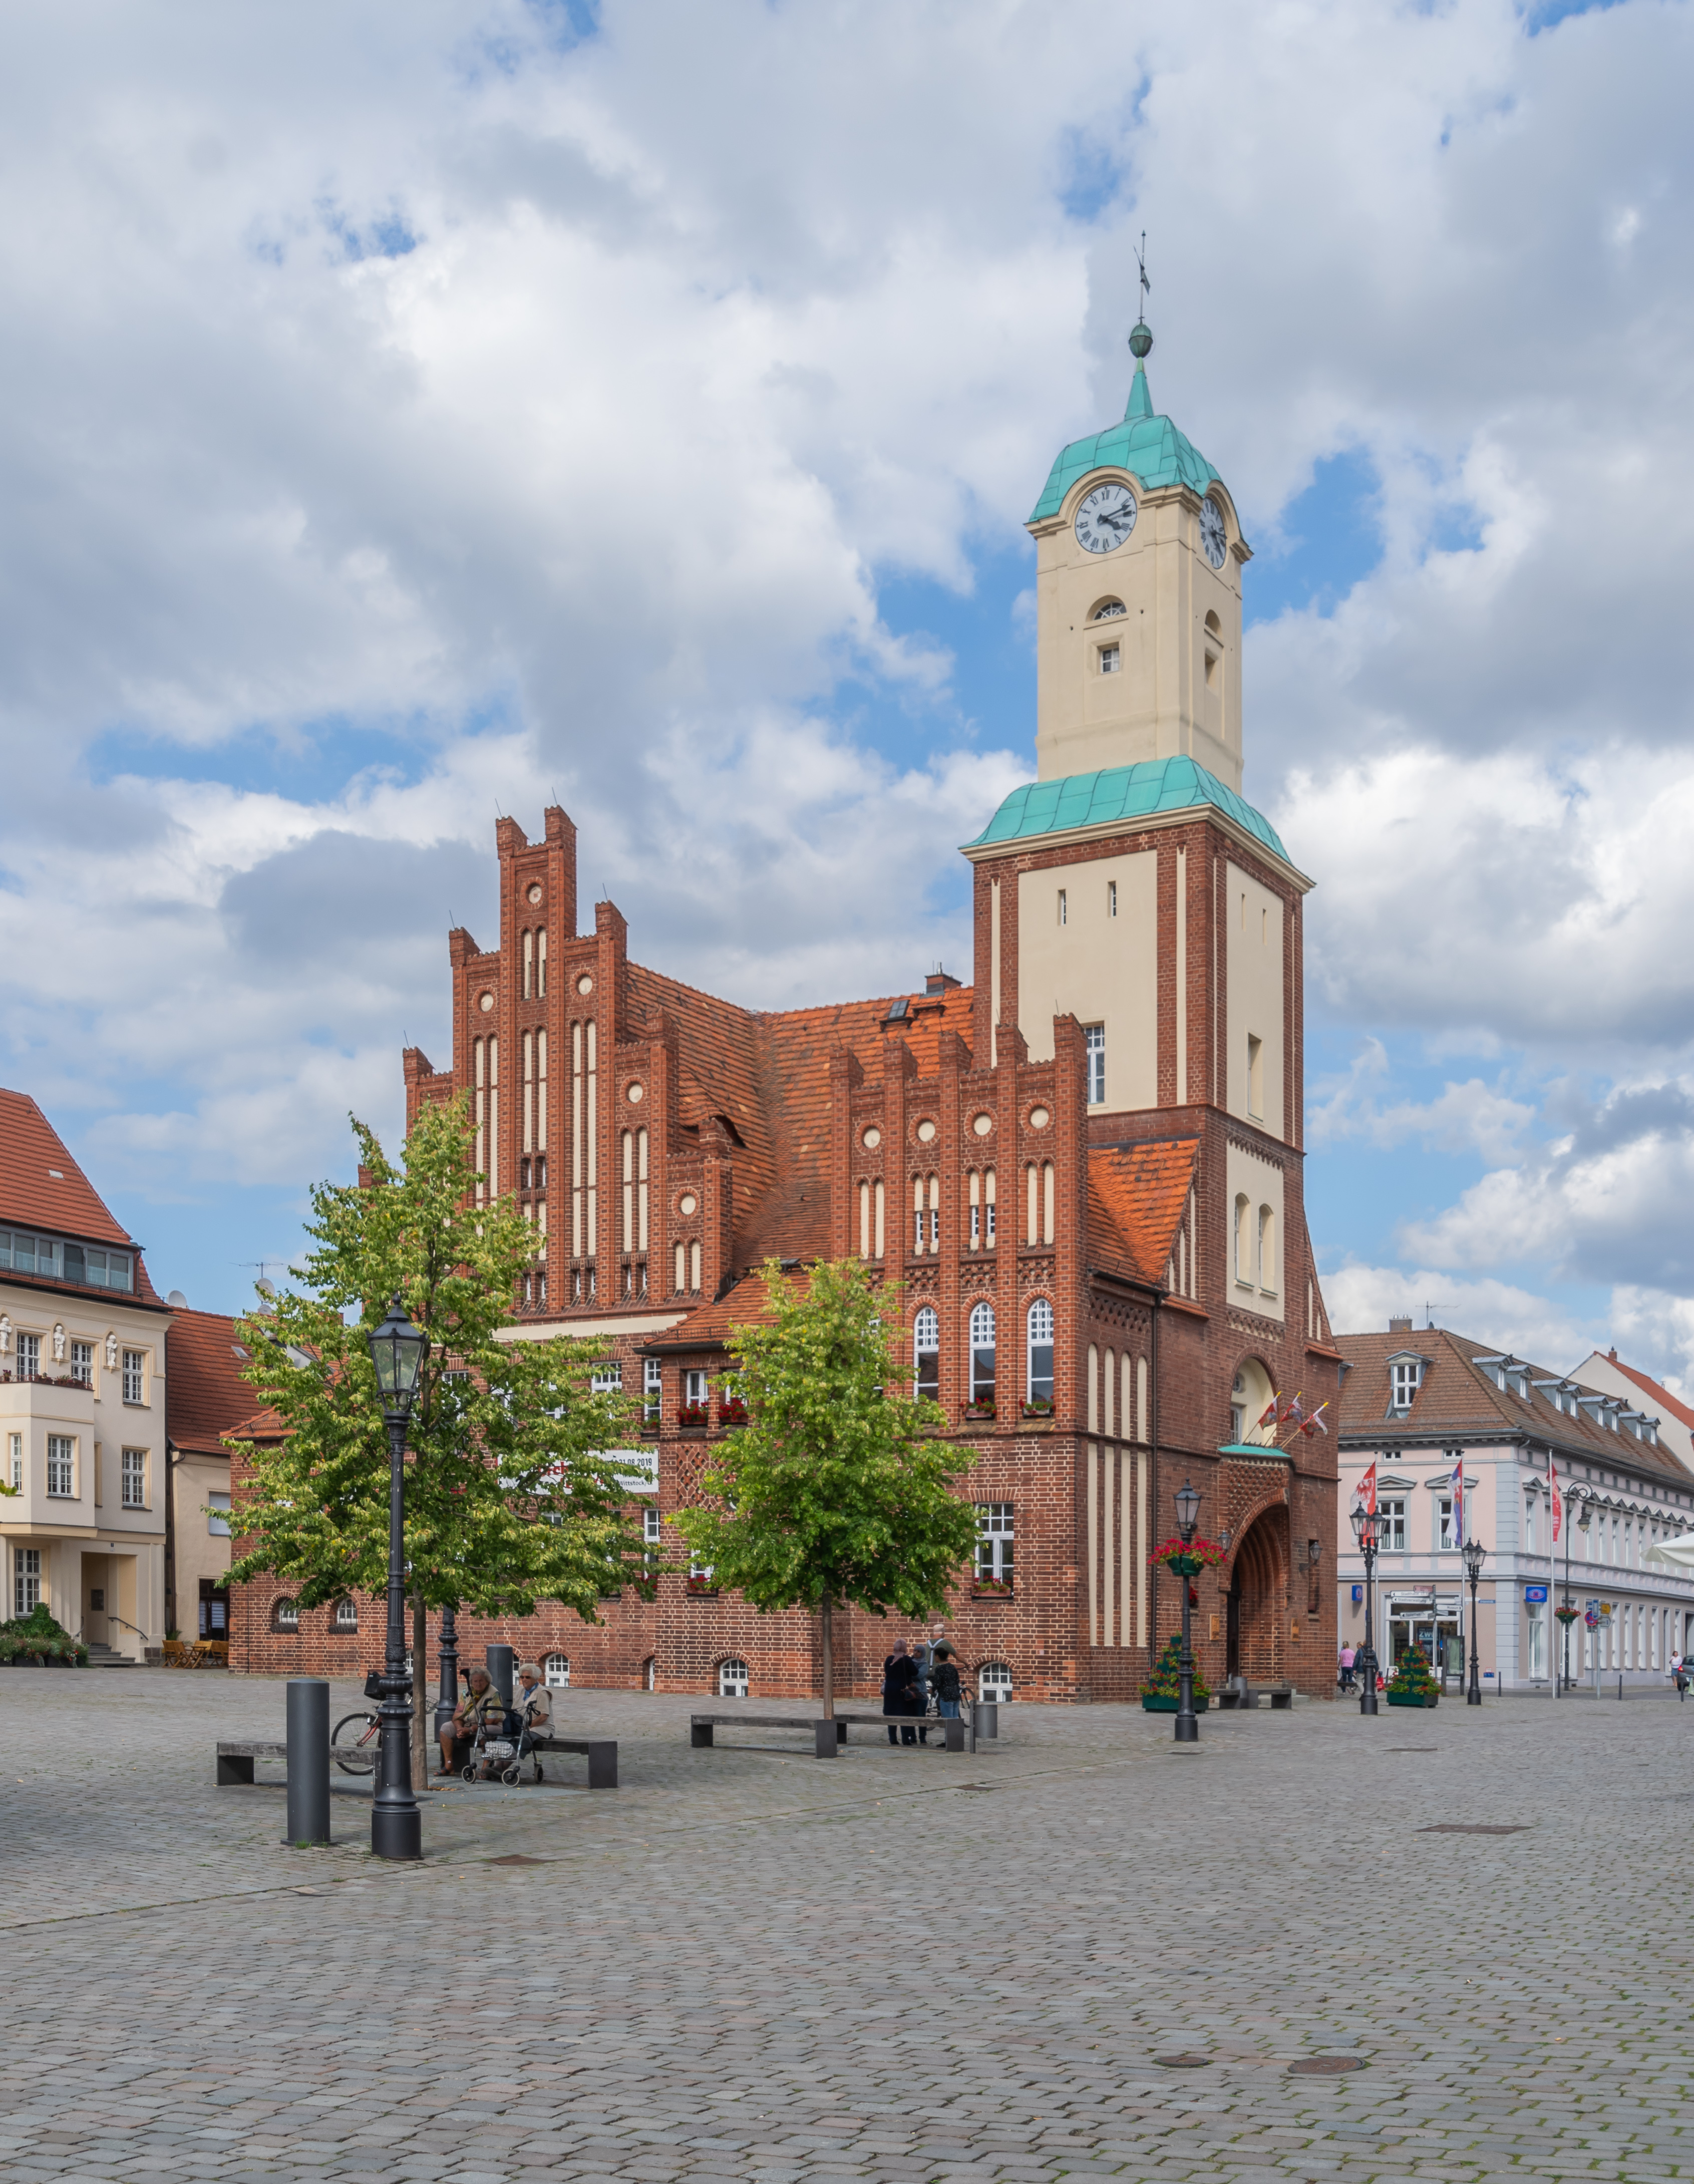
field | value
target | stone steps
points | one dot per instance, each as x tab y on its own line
102	1656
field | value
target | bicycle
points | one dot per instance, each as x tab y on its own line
354	1740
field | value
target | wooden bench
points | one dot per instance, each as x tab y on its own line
235	1760
1240	1694
827	1736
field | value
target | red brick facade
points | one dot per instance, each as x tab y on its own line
669	1141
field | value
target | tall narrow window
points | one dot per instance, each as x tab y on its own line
29	1357
987	1193
577	1176
641	1187
981	1353
652	1389
682	1268
1062	907
628	1151
82	1363
480	1114
995	1536
59	1464
541	1100
1046	1201
694	1265
134	1367
1033	1176
934	1212
591	1132
26	1580
1112	898
529	1092
528	964
1256	1076
1093	1045
1268	1247
494	1118
976	1184
1041	1352
17	1452
926	1348
864	1220
917	1214
880	1203
1243	1238
541	963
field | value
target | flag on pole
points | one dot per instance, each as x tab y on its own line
1458	1508
1368	1489
1558	1507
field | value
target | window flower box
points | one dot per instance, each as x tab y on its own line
732	1413
701	1585
1039	1408
991	1588
982	1410
692	1417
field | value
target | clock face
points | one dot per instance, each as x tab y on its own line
1105	518
1213	536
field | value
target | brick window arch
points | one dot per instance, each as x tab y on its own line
732	1679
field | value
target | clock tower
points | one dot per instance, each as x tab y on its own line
1138	587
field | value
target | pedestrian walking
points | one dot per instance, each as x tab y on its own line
899	1679
1348	1656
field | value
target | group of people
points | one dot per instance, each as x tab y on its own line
910	1675
1348	1668
482	1708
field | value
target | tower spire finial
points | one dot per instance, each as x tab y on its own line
1141	343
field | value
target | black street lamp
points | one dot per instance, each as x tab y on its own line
1584	1517
1476	1554
1364	1531
397	1350
1188	1517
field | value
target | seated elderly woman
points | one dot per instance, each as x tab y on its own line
482	1705
534	1700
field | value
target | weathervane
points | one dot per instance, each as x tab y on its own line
1141	335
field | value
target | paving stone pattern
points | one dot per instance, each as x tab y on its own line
901	1965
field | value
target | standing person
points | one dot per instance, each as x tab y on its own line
923	1658
899	1676
1347	1659
947	1686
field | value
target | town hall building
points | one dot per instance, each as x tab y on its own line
1083	1167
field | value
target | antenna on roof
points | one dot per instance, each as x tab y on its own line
264	1285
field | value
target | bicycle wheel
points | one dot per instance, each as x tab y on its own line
353	1743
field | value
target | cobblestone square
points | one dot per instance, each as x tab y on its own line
747	1964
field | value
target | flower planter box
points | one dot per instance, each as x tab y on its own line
1037	1410
692	1417
981	1413
981	1591
1160	1705
1413	1698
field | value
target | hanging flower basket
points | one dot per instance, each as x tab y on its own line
1187	1558
1567	1615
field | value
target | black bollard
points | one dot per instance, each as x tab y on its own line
988	1717
500	1660
309	1761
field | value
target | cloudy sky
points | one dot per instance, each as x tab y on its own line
417	413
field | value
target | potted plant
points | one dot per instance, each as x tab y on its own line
1162	1692
983	1408
1039	1408
991	1588
1412	1685
1187	1558
731	1412
692	1415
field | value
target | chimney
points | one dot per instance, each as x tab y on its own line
1401	1325
938	981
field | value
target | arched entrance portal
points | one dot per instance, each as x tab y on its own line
1255	1602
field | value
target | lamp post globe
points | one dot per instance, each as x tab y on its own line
397	1355
1187	1501
1476	1554
1364	1523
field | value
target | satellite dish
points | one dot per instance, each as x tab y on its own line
177	1301
265	1289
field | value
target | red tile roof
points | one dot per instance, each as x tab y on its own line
40	1186
1136	1194
707	1328
767	1074
1661	1398
205	1396
1456	1395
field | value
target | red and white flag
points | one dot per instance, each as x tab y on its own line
1367	1490
1557	1503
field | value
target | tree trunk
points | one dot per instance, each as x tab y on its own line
828	1659
420	1736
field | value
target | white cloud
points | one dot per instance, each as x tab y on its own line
1468	1117
1362	1300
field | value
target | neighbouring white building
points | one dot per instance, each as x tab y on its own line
1426	1405
82	1382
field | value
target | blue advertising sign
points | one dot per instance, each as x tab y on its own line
1534	1592
1358	1593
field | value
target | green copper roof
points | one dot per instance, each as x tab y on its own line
1151	447
1120	792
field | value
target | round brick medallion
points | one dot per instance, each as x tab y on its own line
1039	1118
638	1092
585	984
688	1203
926	1133
871	1139
485	1002
535	890
983	1124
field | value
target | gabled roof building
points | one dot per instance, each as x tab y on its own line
1429	1408
1083	1167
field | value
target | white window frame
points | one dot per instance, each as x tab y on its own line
135	1376
1094	1051
1443	1525
993	1683
996	1537
217	1527
28	1347
1392	1523
82	1363
132	1478
1037	1323
694	1387
286	1615
925	1342
61	1452
346	1615
555	1672
653	1386
734	1681
17	1462
982	1338
607	1378
1405	1378
26	1580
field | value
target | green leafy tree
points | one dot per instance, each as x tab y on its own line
838	1489
510	1495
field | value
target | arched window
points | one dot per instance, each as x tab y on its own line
993	1682
1243	1237
556	1670
981	1353
286	1615
926	1345
732	1679
1266	1247
1108	611
346	1616
1040	1381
